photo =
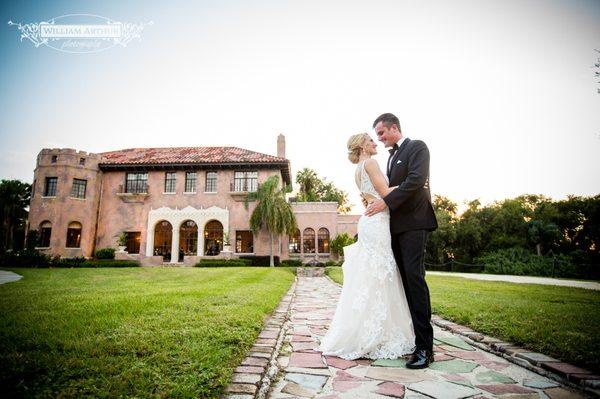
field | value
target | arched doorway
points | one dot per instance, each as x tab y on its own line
213	238
188	239
163	234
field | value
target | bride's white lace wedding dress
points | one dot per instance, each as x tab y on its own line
372	319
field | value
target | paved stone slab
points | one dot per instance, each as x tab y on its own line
245	378
492	377
397	374
339	363
307	360
294	389
390	362
312	382
456	342
443	389
454	366
391	389
458	379
501	389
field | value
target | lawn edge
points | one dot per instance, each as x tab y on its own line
253	377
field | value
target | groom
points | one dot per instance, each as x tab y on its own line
411	218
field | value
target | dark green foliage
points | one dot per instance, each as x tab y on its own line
14	200
331	263
224	262
110	263
105	253
261	260
521	262
291	262
339	242
315	189
536	224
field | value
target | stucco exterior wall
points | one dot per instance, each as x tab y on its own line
60	210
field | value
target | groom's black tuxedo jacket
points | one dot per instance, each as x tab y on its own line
410	203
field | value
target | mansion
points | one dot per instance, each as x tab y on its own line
169	205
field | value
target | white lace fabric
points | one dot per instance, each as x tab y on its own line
372	319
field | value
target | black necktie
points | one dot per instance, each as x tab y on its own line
393	149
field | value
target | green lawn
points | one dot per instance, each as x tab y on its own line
135	332
561	322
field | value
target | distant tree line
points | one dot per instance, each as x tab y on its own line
528	225
14	201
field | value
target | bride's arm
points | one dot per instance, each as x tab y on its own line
377	178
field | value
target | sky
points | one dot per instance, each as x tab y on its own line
502	92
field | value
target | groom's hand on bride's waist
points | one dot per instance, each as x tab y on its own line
375	207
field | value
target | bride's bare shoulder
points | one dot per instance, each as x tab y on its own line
371	164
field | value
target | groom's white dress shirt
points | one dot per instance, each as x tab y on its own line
392	155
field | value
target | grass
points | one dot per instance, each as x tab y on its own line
139	332
561	322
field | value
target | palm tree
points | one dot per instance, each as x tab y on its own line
272	212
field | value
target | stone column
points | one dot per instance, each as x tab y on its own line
175	244
200	241
150	241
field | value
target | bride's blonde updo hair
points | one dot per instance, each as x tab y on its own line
355	143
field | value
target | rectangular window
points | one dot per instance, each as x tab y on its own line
136	183
78	188
170	180
82	161
245	181
190	182
244	242
50	189
54	158
133	239
211	182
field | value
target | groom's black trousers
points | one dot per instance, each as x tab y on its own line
409	250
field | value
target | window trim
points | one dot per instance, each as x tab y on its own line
195	180
173	180
137	181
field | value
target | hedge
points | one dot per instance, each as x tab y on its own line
261	260
105	253
223	263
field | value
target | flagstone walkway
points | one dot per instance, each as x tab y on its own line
460	370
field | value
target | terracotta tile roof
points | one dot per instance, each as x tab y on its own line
186	155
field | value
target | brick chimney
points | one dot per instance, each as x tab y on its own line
281	146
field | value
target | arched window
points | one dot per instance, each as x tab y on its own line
45	233
163	234
309	241
323	241
74	235
188	238
294	243
213	238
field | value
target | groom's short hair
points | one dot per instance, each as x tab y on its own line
388	120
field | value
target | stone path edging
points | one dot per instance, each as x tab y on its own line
252	379
533	361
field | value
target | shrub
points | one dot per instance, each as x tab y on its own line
57	261
339	242
261	260
105	253
24	258
331	263
291	262
519	261
223	263
110	263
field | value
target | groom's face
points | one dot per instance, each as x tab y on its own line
387	135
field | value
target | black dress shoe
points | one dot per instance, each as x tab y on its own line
420	359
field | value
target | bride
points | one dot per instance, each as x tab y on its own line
372	319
